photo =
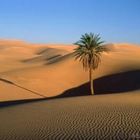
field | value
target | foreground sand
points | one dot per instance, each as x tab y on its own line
103	117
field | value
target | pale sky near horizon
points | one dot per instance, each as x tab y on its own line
63	21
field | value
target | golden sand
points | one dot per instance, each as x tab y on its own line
51	69
29	73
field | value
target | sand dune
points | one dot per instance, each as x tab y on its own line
90	117
51	69
14	92
35	80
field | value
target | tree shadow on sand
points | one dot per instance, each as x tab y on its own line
111	84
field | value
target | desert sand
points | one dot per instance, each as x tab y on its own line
101	117
34	74
51	69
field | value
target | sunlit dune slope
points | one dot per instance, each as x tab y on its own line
51	69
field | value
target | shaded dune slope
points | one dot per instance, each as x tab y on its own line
45	54
116	83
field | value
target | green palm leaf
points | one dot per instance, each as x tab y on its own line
89	50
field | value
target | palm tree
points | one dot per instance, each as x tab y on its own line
89	50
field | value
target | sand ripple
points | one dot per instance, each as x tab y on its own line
99	117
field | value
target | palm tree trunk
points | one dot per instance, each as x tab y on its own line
91	81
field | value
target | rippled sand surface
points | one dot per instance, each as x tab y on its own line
103	117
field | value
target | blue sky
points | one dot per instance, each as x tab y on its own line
63	21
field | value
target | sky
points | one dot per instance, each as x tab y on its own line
63	21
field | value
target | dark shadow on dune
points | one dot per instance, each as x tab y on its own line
33	59
59	59
6	81
41	57
121	82
54	57
82	90
116	83
45	50
14	84
20	102
34	92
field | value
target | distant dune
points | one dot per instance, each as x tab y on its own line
51	69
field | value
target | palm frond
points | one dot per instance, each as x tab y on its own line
90	47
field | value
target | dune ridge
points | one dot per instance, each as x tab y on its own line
51	69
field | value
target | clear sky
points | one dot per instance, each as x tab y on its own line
63	21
